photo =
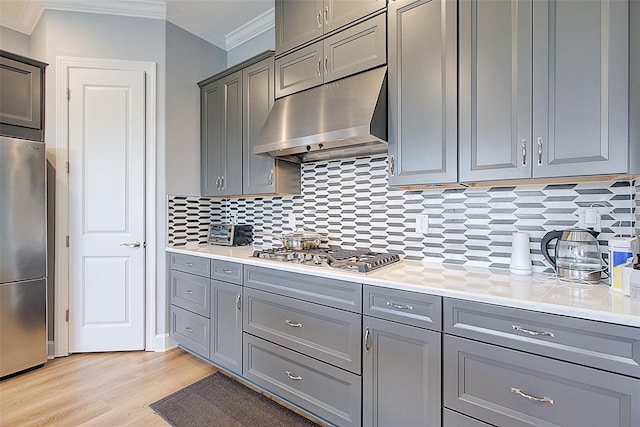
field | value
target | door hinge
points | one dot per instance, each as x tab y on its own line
66	315
67	166
67	241
68	94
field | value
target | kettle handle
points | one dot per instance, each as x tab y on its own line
544	245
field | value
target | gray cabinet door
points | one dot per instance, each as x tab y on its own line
495	90
299	70
226	326
231	151
355	49
210	138
400	375
338	13
581	81
297	22
423	116
258	85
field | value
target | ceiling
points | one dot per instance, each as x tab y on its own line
225	23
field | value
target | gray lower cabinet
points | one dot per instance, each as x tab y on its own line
225	344
234	107
512	388
22	94
543	100
401	375
423	98
342	54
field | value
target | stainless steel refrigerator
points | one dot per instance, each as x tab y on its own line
23	255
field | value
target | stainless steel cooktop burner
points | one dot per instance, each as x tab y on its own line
362	260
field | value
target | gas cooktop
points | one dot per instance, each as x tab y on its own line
361	260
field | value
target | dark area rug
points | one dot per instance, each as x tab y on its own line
218	400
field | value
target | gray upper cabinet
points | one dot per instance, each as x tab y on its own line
234	107
22	94
347	52
299	22
553	104
423	115
262	174
221	128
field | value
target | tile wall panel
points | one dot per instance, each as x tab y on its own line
349	201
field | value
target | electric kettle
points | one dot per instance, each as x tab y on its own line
577	254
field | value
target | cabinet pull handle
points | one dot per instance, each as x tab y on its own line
226	271
293	376
188	329
189	264
270	178
238	302
539	151
188	291
326	69
524	152
400	306
222	182
392	165
326	15
292	324
318	16
318	68
218	183
530	397
367	339
534	333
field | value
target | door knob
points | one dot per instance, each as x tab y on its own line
131	245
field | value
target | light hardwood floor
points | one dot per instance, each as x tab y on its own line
98	389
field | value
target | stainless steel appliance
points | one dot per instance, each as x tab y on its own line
23	283
362	261
230	234
577	254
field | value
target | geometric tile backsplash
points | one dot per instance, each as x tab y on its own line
349	201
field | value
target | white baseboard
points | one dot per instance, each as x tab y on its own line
162	342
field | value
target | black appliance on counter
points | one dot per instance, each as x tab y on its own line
230	234
359	260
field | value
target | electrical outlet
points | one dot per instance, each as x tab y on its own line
422	224
292	221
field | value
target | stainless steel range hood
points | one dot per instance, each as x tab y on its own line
345	118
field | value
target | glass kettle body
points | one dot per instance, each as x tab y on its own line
577	254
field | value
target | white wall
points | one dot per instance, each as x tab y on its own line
14	42
258	44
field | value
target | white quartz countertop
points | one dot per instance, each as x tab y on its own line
493	286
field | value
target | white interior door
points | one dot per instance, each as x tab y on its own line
106	210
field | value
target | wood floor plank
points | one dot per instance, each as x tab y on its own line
98	389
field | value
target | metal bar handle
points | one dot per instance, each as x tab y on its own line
534	333
400	306
238	301
367	339
392	165
318	68
326	15
188	329
189	264
326	69
524	152
530	397
540	151
222	182
293	376
188	291
270	178
227	271
318	16
293	324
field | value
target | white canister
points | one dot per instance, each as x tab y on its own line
619	255
520	254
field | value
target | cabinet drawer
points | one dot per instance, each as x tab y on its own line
324	390
324	333
190	330
191	264
226	271
600	345
512	388
191	292
330	292
411	308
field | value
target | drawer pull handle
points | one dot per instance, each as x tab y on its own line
400	306
188	291
292	324
293	376
367	339
226	271
530	397
189	264
188	329
534	333
238	301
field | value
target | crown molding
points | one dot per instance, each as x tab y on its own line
181	20
27	19
251	29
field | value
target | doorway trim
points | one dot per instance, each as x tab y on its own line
60	155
